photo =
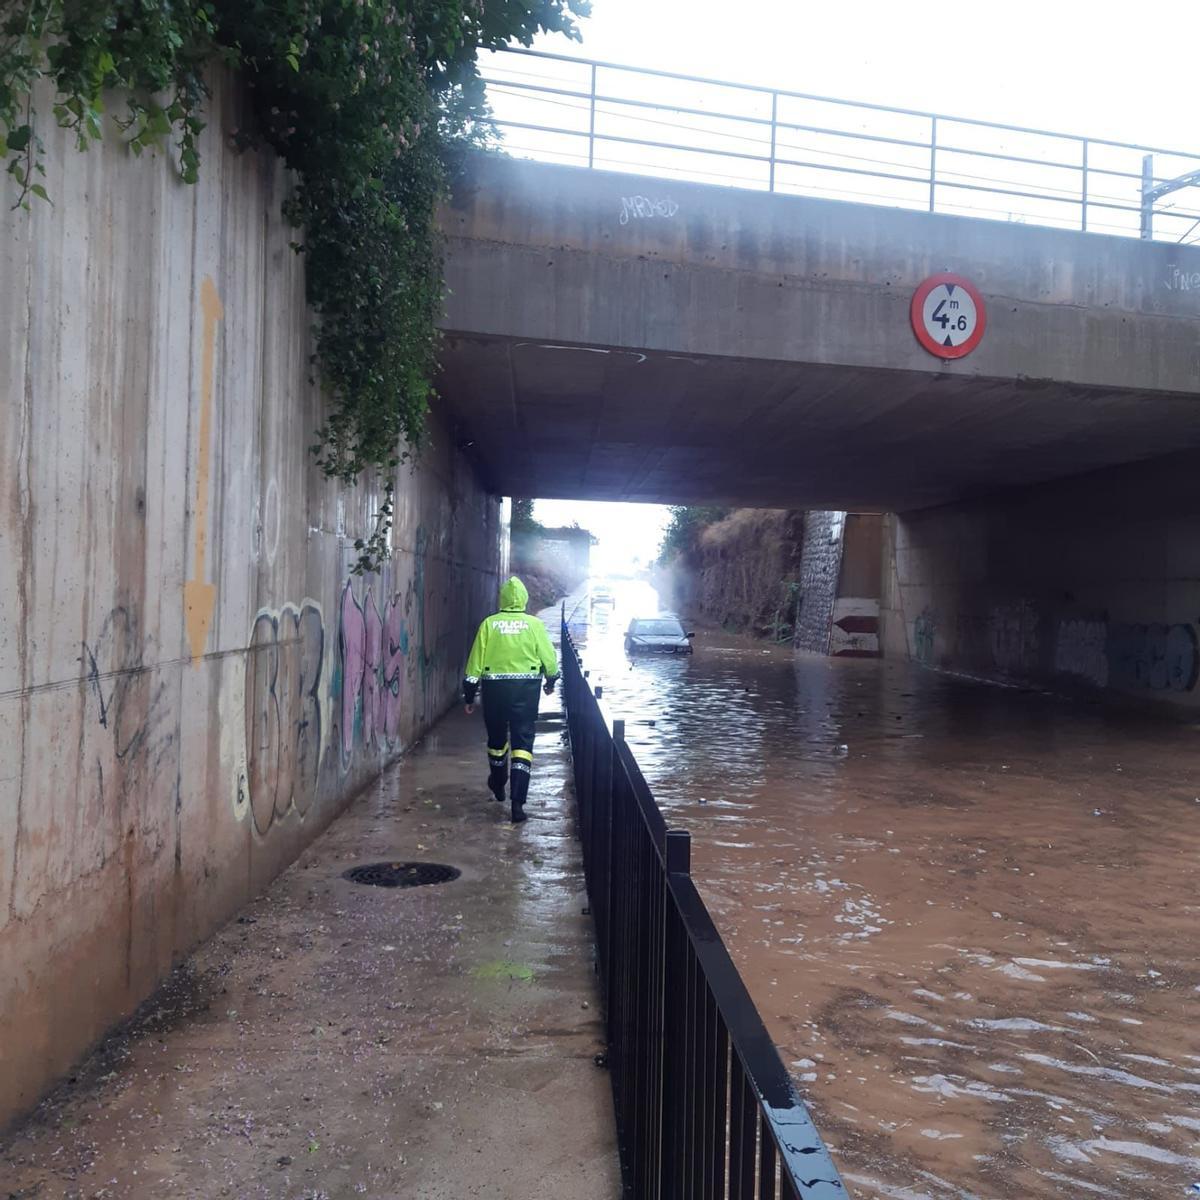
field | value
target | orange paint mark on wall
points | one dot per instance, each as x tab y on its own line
199	596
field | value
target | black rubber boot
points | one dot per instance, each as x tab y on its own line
519	789
497	778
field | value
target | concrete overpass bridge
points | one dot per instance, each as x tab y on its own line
630	338
617	337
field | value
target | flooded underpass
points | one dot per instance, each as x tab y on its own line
966	912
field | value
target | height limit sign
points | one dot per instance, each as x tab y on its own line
948	315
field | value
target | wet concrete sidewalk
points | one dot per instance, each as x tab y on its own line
338	1040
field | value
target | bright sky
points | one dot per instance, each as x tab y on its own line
1104	68
1101	68
625	531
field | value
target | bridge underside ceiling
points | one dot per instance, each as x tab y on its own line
578	422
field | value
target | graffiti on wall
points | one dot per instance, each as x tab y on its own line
372	650
1179	280
1081	649
292	674
129	699
126	702
924	633
1015	638
284	727
438	592
1153	657
641	208
1158	657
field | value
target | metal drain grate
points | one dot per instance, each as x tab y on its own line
401	874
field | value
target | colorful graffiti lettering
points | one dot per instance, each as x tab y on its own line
1154	657
373	647
283	711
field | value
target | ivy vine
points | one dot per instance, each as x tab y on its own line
368	102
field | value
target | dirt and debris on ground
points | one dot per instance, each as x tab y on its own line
337	1040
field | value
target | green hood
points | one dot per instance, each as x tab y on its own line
513	596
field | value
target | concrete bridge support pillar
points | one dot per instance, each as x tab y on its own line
1089	583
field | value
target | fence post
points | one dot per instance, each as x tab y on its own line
604	833
1084	189
932	161
592	122
774	118
678	853
673	1068
1147	230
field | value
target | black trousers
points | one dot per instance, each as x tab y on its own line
510	709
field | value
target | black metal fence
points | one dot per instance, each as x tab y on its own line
705	1108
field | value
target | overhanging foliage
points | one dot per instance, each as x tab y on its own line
367	101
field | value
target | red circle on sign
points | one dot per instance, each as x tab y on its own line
917	316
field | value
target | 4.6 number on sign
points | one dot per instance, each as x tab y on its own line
948	316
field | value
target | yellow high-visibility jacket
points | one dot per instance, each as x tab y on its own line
510	644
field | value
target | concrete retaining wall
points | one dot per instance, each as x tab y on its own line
1092	582
854	631
191	683
840	584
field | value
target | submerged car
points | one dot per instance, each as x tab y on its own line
664	634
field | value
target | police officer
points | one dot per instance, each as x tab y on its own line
511	655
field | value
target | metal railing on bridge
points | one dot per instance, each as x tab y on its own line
559	108
705	1107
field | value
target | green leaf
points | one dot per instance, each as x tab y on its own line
18	139
40	192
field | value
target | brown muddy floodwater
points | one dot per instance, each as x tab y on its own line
967	913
